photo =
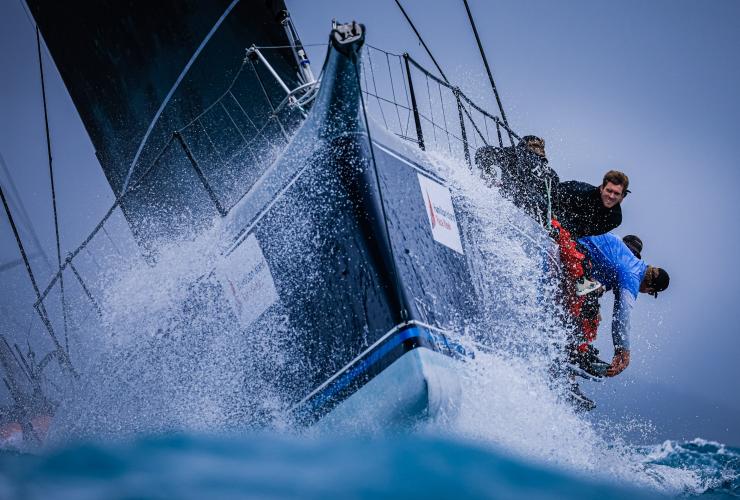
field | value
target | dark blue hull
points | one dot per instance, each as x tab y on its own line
345	228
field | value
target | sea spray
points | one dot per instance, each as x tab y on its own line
174	359
172	356
510	401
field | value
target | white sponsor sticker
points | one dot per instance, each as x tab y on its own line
247	282
441	213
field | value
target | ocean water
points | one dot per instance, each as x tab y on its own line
401	466
171	415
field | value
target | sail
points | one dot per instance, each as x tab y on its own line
137	72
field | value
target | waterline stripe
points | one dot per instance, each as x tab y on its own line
382	339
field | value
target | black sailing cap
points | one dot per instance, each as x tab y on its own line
661	282
634	243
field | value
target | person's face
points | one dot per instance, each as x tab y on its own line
611	194
537	147
646	285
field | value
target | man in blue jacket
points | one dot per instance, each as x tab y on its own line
615	266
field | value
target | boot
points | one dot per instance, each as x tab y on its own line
579	400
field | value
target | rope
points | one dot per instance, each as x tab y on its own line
444	117
393	91
267	98
42	311
429	52
548	187
210	141
472	122
20	209
375	87
85	289
261	47
447	85
239	130
53	190
488	69
119	199
169	95
408	99
243	111
115	247
431	109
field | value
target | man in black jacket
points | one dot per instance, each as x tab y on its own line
526	178
587	210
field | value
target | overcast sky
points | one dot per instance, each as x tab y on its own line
650	88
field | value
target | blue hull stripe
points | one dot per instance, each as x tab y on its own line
426	339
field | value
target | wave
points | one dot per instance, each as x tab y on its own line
272	466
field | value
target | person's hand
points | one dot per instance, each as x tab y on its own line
620	361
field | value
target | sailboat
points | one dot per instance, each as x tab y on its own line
336	226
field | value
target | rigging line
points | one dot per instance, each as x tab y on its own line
429	52
393	90
242	110
28	15
228	90
244	139
41	309
22	209
367	85
6	266
53	189
96	229
382	50
267	98
107	234
449	86
470	117
21	361
92	258
289	46
375	87
213	145
485	63
238	130
431	110
406	93
172	91
444	117
86	289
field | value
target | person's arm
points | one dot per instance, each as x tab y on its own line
623	304
488	159
485	156
570	198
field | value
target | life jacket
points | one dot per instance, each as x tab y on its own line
570	257
573	261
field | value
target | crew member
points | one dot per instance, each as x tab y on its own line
615	266
581	351
586	210
526	179
634	243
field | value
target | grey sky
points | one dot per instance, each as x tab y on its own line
646	87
